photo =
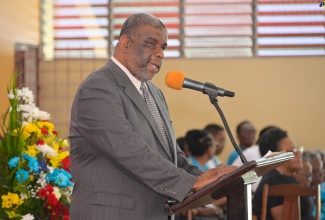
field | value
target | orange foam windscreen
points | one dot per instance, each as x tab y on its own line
174	79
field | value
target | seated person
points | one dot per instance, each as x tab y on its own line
316	158
317	164
304	175
183	146
322	189
201	146
277	140
246	136
219	136
253	153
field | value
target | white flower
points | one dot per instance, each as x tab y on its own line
27	108
42	115
11	95
26	95
10	108
37	114
23	196
42	179
46	149
57	192
24	123
28	217
50	169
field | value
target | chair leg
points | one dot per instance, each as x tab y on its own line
189	215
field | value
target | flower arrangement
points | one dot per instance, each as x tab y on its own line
34	164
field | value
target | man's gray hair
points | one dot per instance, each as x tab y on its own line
134	22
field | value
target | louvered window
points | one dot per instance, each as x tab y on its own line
80	28
166	10
218	28
290	28
197	28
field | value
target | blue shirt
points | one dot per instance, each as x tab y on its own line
232	157
322	201
322	198
195	163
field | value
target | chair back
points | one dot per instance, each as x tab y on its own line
291	199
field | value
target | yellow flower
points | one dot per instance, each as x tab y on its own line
15	132
47	129
31	150
64	144
6	202
10	200
16	200
50	138
29	129
49	126
55	160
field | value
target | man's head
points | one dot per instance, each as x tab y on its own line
304	175
316	162
245	134
200	143
141	45
183	146
263	131
219	136
275	140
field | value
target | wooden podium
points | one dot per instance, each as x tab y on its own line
236	185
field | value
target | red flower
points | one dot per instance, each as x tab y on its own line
40	142
54	132
52	199
42	193
44	131
49	188
55	213
64	209
65	217
66	163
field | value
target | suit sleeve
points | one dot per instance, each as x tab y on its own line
103	124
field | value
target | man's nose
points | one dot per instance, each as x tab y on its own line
159	53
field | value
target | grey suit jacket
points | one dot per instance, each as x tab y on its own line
120	164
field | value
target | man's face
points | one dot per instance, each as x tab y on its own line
246	135
287	144
304	175
317	170
146	52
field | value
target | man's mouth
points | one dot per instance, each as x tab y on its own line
155	66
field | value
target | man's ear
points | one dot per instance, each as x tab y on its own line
124	43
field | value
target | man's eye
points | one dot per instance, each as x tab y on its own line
163	48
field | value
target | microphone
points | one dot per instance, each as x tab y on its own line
176	80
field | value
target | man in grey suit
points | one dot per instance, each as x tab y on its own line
121	165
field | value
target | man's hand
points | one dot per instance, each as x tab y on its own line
211	175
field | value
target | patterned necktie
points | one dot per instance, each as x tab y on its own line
156	115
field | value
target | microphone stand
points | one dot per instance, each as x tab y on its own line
213	99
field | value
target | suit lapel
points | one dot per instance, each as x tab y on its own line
134	95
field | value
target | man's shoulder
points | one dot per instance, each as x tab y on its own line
151	85
252	153
101	76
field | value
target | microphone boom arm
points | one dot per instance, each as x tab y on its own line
214	101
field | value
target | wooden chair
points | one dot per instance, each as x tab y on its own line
291	201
